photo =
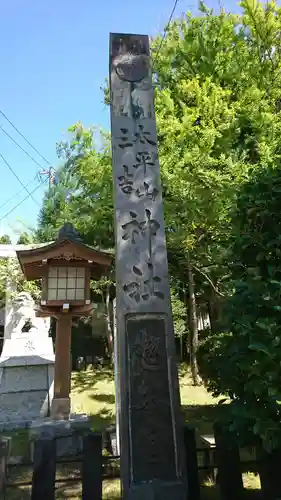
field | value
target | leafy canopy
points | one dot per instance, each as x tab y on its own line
245	364
217	100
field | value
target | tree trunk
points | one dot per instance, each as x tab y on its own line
109	325
193	327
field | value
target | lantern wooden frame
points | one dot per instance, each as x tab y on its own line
66	252
68	265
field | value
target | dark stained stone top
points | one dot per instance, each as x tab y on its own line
68	232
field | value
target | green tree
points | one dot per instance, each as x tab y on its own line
5	239
244	364
217	86
217	103
179	317
83	193
25	238
10	271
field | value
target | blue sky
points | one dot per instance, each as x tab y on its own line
54	59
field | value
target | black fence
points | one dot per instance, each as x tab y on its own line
92	467
227	468
222	462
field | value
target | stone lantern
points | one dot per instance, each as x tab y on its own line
65	267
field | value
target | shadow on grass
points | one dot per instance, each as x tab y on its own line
19	474
73	491
15	493
86	380
104	398
101	420
202	417
68	490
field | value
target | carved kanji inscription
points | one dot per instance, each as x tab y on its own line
142	136
134	228
126	181
144	286
150	406
145	192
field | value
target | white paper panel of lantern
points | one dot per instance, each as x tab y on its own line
66	283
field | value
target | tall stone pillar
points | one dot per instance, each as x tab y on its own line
151	440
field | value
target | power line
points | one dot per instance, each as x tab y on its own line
23	136
19	146
17	177
16	206
10	199
165	31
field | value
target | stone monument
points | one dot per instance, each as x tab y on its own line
151	430
26	364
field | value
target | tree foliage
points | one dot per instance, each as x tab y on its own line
245	364
179	315
11	274
25	238
218	81
5	239
83	193
217	99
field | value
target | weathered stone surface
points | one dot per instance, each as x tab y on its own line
25	405
27	359
110	443
157	490
26	378
20	309
14	425
27	350
60	408
68	433
151	432
152	451
16	460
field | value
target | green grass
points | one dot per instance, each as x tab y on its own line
93	393
111	491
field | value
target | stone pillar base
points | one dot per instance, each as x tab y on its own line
60	409
175	490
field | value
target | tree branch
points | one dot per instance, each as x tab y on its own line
209	281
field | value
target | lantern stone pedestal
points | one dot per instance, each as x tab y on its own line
60	408
68	433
